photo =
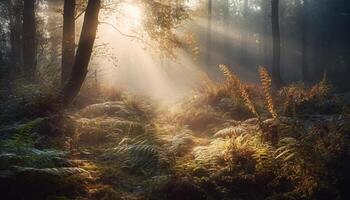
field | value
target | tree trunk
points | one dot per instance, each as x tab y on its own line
266	39
29	40
304	70
84	51
15	25
68	40
208	60
244	33
227	25
276	44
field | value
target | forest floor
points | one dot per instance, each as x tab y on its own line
127	150
134	151
214	144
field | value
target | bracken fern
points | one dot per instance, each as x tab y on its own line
237	84
266	83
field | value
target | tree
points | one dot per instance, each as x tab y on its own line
276	44
14	13
29	40
244	33
304	27
208	60
84	51
266	32
68	40
226	11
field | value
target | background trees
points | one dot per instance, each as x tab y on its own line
68	40
240	33
311	32
29	40
276	43
84	51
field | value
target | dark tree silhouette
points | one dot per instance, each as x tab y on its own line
304	27
276	40
208	60
29	40
266	33
14	12
68	40
244	36
84	51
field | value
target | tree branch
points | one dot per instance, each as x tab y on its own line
125	34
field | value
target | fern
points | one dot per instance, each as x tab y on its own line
141	153
242	91
231	131
249	147
287	150
266	83
297	97
208	155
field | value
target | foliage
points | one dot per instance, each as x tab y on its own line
141	153
311	162
161	18
266	83
238	86
20	149
141	105
297	98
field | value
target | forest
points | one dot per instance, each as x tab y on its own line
174	99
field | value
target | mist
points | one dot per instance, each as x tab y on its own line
174	99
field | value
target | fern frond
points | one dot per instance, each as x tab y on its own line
230	76
237	84
231	131
266	83
288	149
140	153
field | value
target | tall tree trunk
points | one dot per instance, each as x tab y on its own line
2	60
84	51
15	18
276	40
227	25
244	33
208	60
68	40
304	25
266	39
29	40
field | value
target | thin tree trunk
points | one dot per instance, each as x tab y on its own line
244	33
276	40
227	25
2	60
68	40
208	60
304	69
15	18
84	51
29	40
266	39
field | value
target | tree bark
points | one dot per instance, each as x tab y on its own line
29	40
68	40
244	33
276	45
84	51
227	25
266	32
304	69
15	25
208	60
